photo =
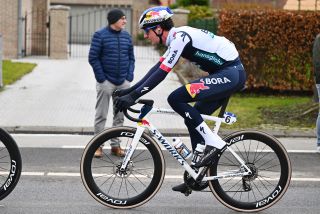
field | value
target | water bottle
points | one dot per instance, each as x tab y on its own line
181	148
198	152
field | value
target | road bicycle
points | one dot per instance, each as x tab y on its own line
251	174
10	164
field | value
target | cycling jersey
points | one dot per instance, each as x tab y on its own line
201	47
210	52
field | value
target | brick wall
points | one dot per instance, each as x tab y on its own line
9	27
59	32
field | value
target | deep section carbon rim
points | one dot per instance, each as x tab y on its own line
10	164
122	189
271	172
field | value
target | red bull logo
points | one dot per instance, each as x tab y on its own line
144	123
195	88
152	14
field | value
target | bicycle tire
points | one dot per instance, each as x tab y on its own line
101	176
271	169
10	164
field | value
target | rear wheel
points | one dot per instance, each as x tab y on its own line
10	164
270	166
134	186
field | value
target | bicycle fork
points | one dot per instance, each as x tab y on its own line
132	147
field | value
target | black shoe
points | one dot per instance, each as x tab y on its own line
209	155
183	188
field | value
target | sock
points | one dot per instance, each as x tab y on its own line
209	137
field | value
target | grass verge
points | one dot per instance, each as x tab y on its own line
13	71
258	111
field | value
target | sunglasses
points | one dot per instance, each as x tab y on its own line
146	30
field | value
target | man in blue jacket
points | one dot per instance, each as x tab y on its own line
112	60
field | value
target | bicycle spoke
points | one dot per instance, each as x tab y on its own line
4	162
231	161
266	169
132	186
125	181
147	176
120	187
111	184
239	152
4	156
257	189
236	192
97	167
5	169
133	158
263	177
260	152
139	180
143	160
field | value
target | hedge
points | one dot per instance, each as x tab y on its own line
275	46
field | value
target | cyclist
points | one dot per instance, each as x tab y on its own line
213	54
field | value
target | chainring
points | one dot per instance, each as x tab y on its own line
192	184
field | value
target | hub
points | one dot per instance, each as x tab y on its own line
254	172
123	173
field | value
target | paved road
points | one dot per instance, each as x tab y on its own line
66	195
51	183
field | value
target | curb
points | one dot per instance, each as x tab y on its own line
303	133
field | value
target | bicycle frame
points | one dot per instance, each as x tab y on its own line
141	126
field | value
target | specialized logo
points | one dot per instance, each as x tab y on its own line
202	130
145	89
167	145
194	88
188	115
212	57
215	81
173	56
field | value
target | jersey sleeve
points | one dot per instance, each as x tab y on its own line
172	55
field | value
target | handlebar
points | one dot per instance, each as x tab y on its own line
144	110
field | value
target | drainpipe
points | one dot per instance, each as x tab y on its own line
20	19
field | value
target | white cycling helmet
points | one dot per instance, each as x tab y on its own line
154	16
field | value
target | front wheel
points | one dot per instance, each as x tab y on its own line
270	166
115	188
10	164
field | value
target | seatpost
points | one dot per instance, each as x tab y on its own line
223	107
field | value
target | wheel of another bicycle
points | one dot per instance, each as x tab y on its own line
10	164
270	166
131	188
